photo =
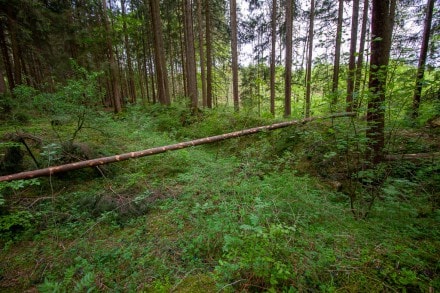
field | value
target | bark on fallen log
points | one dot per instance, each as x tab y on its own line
157	150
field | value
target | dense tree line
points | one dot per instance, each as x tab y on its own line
156	51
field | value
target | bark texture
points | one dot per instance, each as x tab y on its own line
190	59
381	29
114	76
159	55
208	54
310	59
422	59
288	66
272	56
335	81
352	59
234	45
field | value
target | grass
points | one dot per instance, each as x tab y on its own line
249	214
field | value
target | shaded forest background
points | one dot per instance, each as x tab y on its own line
159	51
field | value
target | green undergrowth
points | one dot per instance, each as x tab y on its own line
250	214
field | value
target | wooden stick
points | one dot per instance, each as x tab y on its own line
412	157
157	150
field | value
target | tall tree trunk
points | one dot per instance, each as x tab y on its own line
130	78
15	47
335	81
121	74
201	51
6	60
310	59
183	58
422	59
273	56
154	92
208	54
115	87
352	58
360	59
173	70
159	54
2	83
234	45
190	56
24	68
288	65
381	32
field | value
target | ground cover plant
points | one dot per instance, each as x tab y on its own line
251	214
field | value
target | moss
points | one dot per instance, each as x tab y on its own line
199	283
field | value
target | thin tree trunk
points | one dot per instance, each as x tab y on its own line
159	53
25	68
6	60
173	72
130	77
190	56
120	74
336	63
234	44
273	56
352	58
115	87
12	25
360	60
288	65
208	54
381	30
201	51
2	83
422	59
152	79
182	43
310	59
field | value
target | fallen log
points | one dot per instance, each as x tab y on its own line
157	150
411	157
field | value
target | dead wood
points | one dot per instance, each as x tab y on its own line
418	156
157	150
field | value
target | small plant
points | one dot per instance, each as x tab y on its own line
52	153
11	225
77	278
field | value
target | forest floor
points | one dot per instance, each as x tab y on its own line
282	211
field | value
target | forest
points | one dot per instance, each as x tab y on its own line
219	146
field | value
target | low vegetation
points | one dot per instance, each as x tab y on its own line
282	211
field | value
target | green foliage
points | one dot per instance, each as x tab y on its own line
52	153
13	186
24	96
77	278
79	95
258	252
11	225
248	214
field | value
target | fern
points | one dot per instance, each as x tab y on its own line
86	282
50	287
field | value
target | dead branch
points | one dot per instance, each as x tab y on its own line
412	157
